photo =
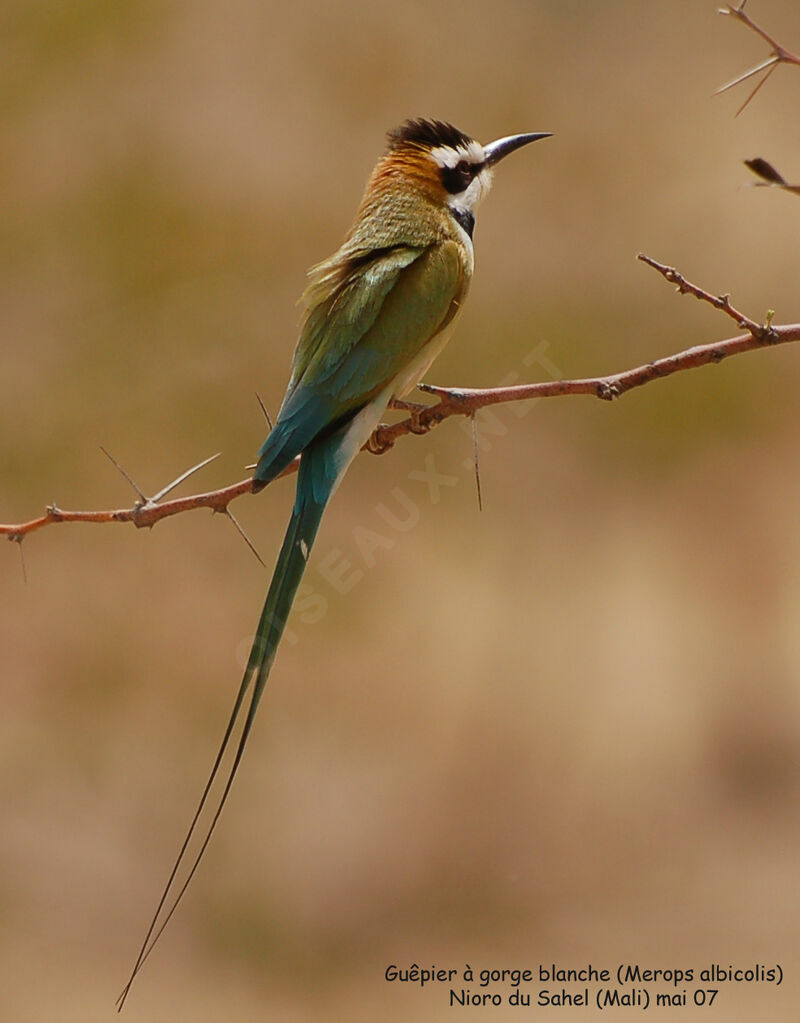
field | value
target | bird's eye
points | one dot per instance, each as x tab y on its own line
458	178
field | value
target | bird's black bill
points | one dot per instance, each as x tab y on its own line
495	151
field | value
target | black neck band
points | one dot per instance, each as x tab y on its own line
464	217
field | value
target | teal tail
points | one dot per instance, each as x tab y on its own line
317	478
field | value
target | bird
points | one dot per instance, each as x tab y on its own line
376	315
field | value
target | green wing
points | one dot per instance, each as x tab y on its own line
361	331
343	300
366	320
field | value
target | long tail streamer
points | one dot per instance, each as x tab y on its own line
316	481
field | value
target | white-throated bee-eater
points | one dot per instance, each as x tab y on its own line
377	313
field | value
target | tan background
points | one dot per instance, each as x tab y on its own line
564	730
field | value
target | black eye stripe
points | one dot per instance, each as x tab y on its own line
456	179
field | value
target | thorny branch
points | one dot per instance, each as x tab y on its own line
461	402
778	54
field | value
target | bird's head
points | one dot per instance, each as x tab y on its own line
446	165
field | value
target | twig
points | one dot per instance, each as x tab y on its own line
465	402
760	332
739	14
778	55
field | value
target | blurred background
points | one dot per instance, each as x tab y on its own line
565	729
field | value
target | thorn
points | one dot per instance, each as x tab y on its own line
264	410
447	395
606	391
244	535
474	419
18	541
771	60
183	476
766	76
119	468
438	391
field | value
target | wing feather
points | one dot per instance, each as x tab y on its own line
362	328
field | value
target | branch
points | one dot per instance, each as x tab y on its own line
778	54
464	402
